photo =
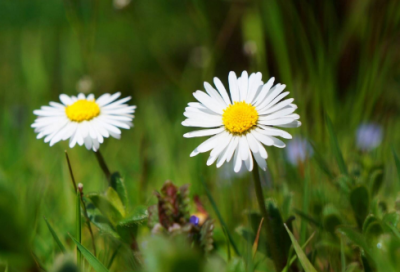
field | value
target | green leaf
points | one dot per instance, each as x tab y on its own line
369	220
331	218
250	236
78	226
276	222
221	220
55	236
295	256
92	260
137	217
342	255
100	221
106	207
308	267
308	218
114	199
356	237
118	184
359	199
321	162
391	218
335	146
395	230
376	181
397	161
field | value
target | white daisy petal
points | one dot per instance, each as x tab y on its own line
240	130
207	145
243	148
214	94
272	94
253	143
277	122
243	86
265	90
221	90
262	138
237	161
233	87
260	161
254	83
293	124
274	132
231	148
277	142
83	120
216	152
65	99
204	132
279	106
261	150
88	142
208	102
249	161
277	114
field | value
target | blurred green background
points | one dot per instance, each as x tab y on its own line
339	57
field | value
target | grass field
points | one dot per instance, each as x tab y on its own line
340	61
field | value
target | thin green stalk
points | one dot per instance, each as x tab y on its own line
70	171
303	228
221	220
78	227
87	219
279	261
103	165
342	254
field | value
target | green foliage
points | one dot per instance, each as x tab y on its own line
308	267
335	146
55	236
338	59
359	199
92	260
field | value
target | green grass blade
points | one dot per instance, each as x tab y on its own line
78	226
113	257
308	267
221	220
397	161
55	236
303	227
321	162
295	257
342	255
92	260
336	149
394	229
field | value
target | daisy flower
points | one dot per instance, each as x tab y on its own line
83	120
242	123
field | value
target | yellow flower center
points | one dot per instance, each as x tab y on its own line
240	117
82	110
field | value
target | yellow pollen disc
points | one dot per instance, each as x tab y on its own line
82	110
240	117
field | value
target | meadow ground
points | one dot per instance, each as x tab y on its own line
336	181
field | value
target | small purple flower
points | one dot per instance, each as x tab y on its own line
298	150
194	220
369	136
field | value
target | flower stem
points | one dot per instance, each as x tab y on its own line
103	165
78	228
279	261
87	219
70	171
